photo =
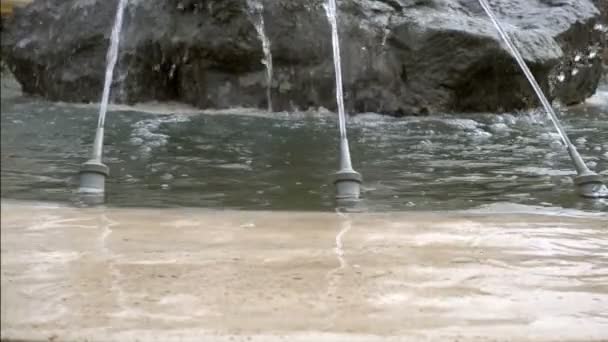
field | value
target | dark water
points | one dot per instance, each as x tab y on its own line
284	161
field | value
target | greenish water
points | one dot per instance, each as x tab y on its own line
252	160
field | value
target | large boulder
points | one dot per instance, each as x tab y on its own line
400	57
603	26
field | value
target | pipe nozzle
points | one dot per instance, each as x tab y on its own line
348	184
590	185
93	175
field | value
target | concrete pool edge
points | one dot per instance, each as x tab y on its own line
111	274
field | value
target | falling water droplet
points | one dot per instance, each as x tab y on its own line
600	27
581	141
592	54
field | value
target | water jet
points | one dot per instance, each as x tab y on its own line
94	172
347	180
588	183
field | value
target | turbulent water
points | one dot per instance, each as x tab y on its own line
248	159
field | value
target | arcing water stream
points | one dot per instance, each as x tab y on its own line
347	180
112	58
93	173
588	182
330	9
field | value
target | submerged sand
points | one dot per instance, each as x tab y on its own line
102	274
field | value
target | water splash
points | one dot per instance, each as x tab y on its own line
257	10
386	32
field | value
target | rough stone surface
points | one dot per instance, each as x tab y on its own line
400	57
602	5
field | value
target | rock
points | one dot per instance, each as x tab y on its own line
400	57
582	61
602	5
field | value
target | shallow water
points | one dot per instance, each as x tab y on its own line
252	160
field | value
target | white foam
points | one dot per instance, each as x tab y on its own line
599	99
144	134
544	171
513	208
466	124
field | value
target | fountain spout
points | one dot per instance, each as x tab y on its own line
347	180
588	183
94	172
